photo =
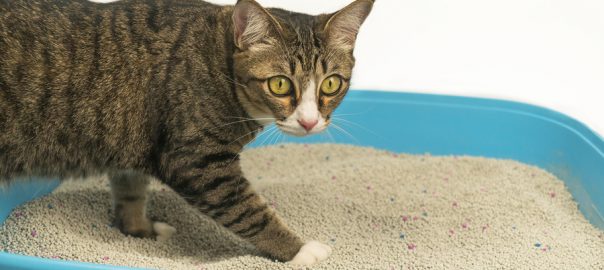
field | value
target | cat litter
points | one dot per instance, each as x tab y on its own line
487	215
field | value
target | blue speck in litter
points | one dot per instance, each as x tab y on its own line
391	199
537	244
401	236
327	158
333	239
50	206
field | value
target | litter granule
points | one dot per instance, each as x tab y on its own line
377	209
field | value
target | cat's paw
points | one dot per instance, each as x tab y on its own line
312	252
163	231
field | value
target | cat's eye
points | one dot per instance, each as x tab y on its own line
331	85
280	85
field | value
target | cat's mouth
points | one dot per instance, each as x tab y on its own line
298	129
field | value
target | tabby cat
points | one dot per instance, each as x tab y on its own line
170	89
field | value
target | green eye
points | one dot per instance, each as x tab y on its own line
280	85
331	85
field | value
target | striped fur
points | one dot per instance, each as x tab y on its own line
155	88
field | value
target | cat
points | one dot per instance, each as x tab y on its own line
170	89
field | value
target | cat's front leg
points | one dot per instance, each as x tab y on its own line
129	192
219	189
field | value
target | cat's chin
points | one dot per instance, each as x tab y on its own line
300	132
295	133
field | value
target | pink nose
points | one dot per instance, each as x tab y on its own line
308	125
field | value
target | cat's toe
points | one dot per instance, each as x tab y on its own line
312	252
163	231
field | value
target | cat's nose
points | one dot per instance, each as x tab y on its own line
308	125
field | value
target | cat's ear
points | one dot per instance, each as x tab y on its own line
343	26
251	24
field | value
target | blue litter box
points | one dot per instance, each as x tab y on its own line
439	125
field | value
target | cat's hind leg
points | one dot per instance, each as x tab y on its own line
129	190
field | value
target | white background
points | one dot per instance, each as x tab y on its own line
544	52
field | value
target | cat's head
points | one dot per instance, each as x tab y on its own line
291	68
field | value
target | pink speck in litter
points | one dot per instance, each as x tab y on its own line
464	225
552	194
272	204
411	246
405	218
34	233
454	204
105	258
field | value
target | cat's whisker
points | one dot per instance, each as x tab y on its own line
283	137
272	129
277	138
330	136
232	123
248	118
239	154
273	135
344	121
350	114
229	79
271	141
267	134
246	134
344	132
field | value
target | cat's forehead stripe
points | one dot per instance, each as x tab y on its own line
292	67
305	49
